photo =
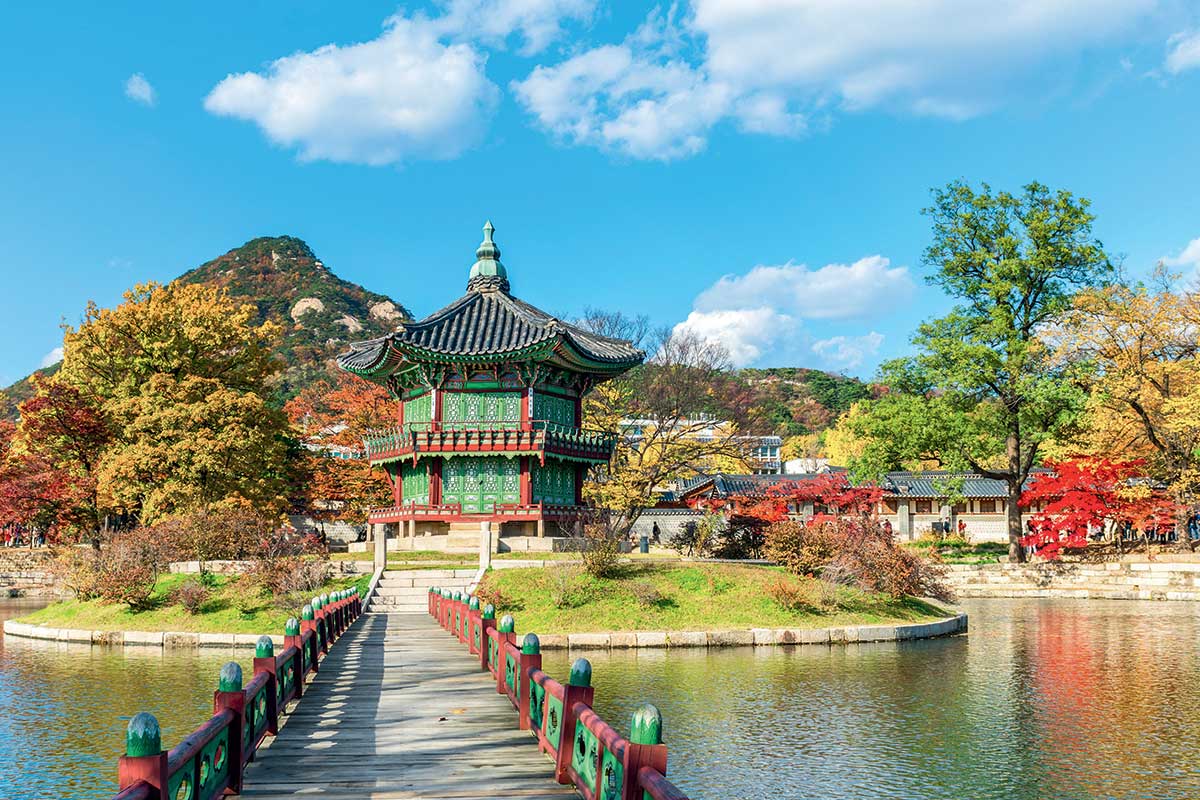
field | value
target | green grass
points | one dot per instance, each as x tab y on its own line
958	551
232	607
692	597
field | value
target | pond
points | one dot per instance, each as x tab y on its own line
1045	698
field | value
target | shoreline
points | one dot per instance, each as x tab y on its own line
164	639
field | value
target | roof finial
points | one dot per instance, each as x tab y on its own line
488	273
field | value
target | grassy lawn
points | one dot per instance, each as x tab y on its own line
232	607
959	551
668	597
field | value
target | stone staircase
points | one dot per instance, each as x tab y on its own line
1125	580
405	591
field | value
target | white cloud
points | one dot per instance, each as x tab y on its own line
52	358
404	95
747	334
848	352
759	315
139	90
539	22
767	65
834	291
1189	256
1183	52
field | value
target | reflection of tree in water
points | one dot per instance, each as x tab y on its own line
1044	699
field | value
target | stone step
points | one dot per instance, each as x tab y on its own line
422	574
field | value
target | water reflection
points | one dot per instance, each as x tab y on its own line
1045	699
63	709
1059	699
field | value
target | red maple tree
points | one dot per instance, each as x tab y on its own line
1083	494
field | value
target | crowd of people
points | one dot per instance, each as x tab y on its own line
13	535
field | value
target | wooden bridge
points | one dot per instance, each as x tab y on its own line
400	706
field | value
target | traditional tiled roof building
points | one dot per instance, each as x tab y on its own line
489	419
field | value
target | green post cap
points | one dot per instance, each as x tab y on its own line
507	624
474	605
458	597
489	611
265	647
291	627
581	673
445	594
531	646
306	612
231	678
143	736
316	603
646	727
432	589
324	599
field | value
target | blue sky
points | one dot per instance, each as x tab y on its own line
753	170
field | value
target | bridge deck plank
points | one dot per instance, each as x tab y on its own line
399	710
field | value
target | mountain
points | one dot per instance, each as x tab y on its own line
798	400
318	311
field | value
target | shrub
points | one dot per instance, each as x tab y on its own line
646	593
127	569
600	548
566	590
286	563
853	551
229	533
794	595
77	569
191	595
488	592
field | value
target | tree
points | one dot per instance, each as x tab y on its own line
182	373
333	418
1082	495
985	391
679	415
32	492
65	431
1143	351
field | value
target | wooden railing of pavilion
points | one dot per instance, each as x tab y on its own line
530	437
211	760
586	751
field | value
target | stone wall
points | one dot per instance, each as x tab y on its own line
1124	580
26	571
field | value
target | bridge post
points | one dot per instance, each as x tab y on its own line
229	695
380	553
474	627
531	658
645	749
264	661
321	627
487	621
144	759
308	624
505	636
577	691
291	638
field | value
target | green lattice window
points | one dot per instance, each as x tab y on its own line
419	409
415	484
553	408
553	483
478	483
467	407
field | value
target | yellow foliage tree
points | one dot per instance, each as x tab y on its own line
1144	397
182	371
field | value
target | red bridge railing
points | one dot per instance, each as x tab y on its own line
210	761
587	752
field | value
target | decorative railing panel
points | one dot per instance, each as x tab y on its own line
533	437
587	752
209	762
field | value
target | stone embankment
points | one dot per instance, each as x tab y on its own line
1123	580
26	572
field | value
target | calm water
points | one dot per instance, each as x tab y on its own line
1044	699
63	709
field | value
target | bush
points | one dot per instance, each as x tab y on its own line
287	563
77	569
566	590
794	595
191	595
600	549
225	534
646	593
128	568
488	592
853	551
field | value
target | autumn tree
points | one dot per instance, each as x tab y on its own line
984	391
332	417
32	492
679	415
182	373
63	430
1142	348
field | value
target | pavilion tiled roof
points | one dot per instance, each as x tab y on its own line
488	321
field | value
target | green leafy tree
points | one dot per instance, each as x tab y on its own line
984	392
